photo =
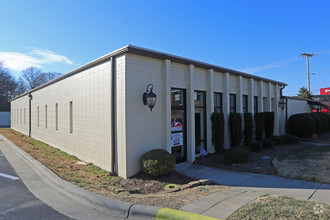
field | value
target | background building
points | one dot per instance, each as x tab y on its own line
96	111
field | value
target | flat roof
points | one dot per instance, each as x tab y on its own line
152	54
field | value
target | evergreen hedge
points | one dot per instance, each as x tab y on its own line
318	122
248	128
269	123
302	125
235	125
260	124
324	119
218	129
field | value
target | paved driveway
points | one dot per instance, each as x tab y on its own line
16	201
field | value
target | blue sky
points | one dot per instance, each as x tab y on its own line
264	38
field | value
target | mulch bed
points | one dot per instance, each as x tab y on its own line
255	164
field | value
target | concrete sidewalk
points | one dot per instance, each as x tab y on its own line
246	187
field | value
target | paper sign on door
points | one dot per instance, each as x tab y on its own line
177	139
176	126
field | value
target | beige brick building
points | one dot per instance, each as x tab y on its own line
96	111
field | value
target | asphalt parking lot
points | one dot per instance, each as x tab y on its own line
16	201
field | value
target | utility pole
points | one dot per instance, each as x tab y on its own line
307	55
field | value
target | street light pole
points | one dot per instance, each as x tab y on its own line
307	55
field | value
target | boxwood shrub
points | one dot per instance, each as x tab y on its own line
256	146
248	128
324	120
157	163
269	123
278	140
318	123
302	125
260	125
218	130
236	154
235	125
267	143
291	139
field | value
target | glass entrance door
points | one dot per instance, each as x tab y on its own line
178	124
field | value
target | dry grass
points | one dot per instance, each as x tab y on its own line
281	207
310	163
139	190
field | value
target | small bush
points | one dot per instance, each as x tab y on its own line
260	125
291	139
302	125
256	146
248	128
235	125
267	143
157	163
239	154
269	123
218	130
278	140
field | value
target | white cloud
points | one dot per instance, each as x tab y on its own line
36	57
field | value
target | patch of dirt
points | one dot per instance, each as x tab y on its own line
282	207
140	189
321	138
255	164
311	163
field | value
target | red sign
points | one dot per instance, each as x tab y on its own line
325	91
176	126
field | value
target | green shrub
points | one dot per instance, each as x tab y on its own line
291	139
248	128
239	154
324	120
256	146
235	125
157	163
269	123
318	123
328	119
278	140
218	130
267	143
302	125
260	125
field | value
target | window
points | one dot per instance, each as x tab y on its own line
71	117
45	116
232	98
200	121
38	116
245	103
217	102
255	104
56	116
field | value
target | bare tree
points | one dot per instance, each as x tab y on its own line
8	87
33	77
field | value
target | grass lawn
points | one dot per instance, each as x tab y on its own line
281	207
310	163
140	189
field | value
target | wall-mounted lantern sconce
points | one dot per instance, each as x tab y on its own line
149	98
282	103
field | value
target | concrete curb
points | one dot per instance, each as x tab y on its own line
66	196
74	201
